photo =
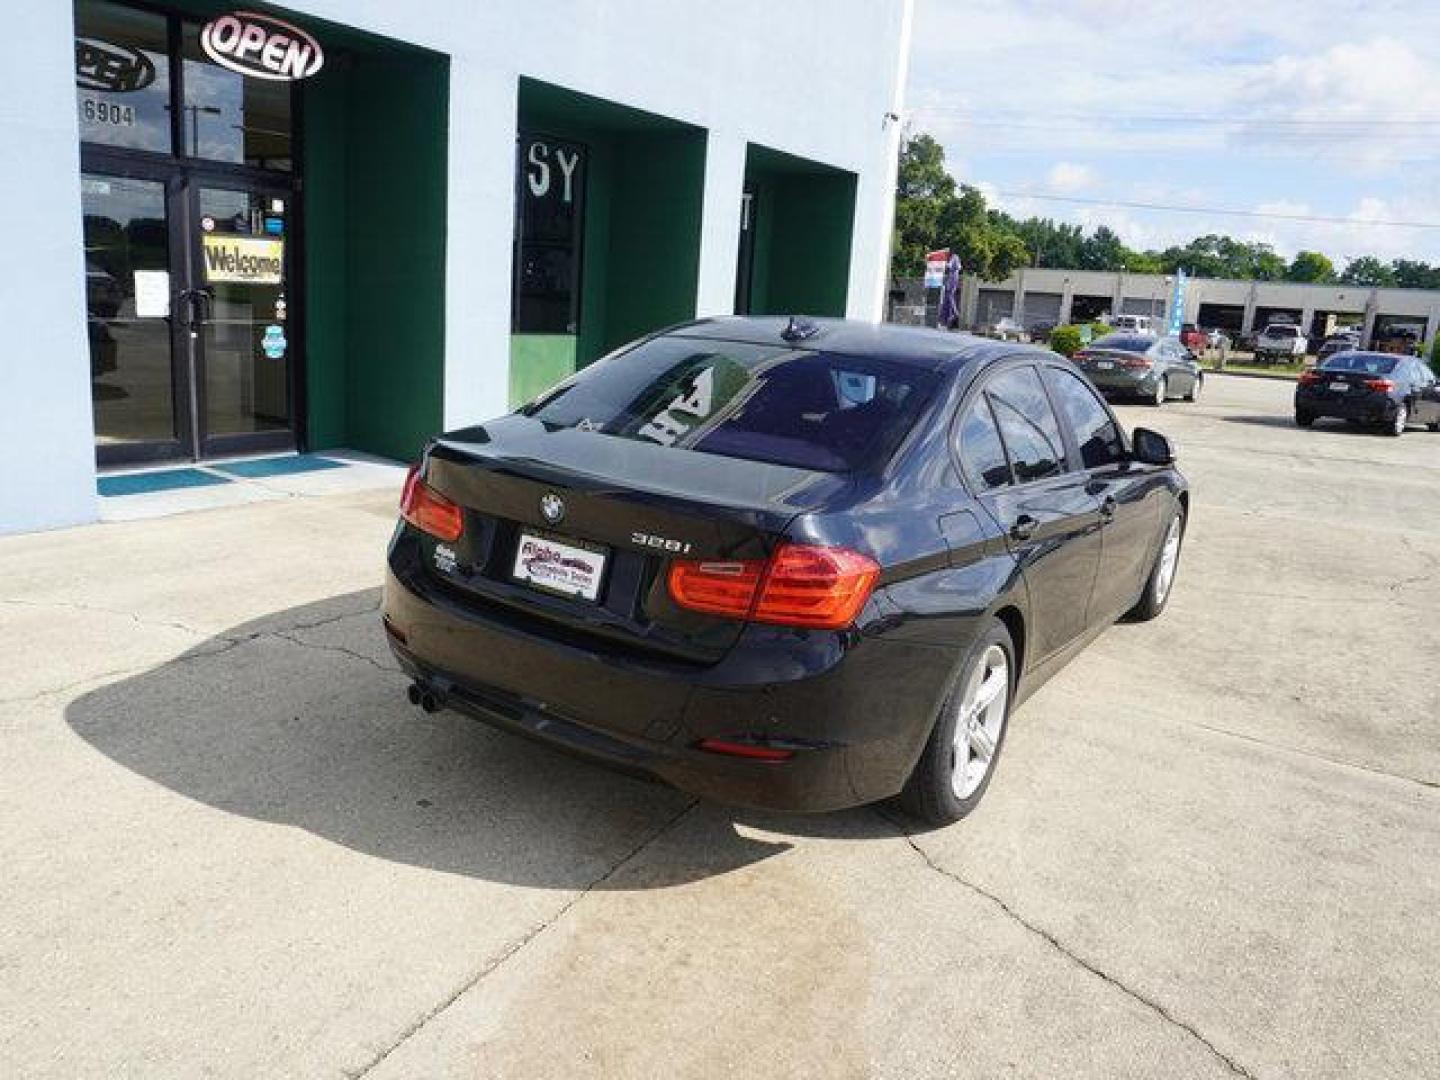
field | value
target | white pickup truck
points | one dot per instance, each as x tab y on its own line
1280	343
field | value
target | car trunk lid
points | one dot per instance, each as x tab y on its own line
620	509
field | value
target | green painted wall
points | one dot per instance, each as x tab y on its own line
325	214
654	266
810	247
804	227
538	362
374	200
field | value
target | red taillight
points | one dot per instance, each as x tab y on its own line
800	585
1080	356
754	751
716	587
428	510
1310	378
1135	363
1382	385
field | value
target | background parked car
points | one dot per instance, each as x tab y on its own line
1007	329
1135	324
1337	343
1193	338
1379	389
1141	366
1280	343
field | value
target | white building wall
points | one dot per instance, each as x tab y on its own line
813	78
47	439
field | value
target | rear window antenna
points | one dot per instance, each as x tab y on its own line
799	328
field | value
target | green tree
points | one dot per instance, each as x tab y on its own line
922	191
1368	270
1311	267
1413	274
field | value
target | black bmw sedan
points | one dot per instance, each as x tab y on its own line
795	565
1374	389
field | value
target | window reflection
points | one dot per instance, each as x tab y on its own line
122	77
130	368
231	118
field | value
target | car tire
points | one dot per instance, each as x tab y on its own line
1161	582
1304	419
1162	390
1195	389
1434	426
944	785
1399	421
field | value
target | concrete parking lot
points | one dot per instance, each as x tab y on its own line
231	849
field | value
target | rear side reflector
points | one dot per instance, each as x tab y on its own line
800	585
428	510
753	751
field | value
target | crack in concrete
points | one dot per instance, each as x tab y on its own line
1164	1013
490	967
223	643
338	649
1315	755
133	616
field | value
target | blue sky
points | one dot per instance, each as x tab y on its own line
1308	108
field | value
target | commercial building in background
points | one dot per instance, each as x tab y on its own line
351	223
1051	297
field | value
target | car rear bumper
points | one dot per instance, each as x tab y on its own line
856	710
1367	408
1122	381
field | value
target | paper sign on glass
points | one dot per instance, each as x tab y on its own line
244	260
152	294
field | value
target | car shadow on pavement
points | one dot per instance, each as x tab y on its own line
1339	427
300	719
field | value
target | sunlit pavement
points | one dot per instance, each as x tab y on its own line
230	847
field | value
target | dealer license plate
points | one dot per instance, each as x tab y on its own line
1341	386
1105	365
559	567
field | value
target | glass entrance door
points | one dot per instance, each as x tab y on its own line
191	351
140	407
240	317
188	178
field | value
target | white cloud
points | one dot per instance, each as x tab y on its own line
1067	176
1281	99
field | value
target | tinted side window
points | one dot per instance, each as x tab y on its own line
1027	424
1095	431
981	453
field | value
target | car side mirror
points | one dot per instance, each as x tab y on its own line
1151	448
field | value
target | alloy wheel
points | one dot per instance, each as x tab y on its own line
1169	560
980	722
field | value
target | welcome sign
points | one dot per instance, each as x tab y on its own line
243	260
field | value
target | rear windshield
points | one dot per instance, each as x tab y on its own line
811	410
1369	363
1280	331
1125	342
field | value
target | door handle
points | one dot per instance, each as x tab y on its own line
1108	508
1024	527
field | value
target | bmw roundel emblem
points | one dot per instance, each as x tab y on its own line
552	508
